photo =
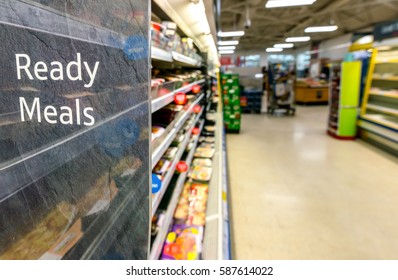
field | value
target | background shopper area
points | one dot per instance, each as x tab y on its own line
199	130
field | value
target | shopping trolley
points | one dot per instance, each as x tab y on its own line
282	98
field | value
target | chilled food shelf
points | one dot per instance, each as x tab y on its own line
158	196
164	100
173	57
170	172
382	109
161	149
217	227
376	128
392	94
157	245
185	60
160	54
389	78
386	60
382	119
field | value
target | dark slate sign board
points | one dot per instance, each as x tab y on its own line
74	129
386	30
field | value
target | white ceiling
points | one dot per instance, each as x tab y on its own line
270	26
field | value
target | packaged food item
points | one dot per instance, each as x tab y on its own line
210	128
211	117
199	191
157	131
209	139
184	197
202	162
201	173
190	96
174	107
157	222
204	152
162	166
197	205
196	219
206	145
170	153
178	140
181	212
190	145
208	133
183	242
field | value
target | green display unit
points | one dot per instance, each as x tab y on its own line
230	91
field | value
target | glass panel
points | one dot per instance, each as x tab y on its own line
74	141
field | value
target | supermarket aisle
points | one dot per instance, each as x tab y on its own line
299	194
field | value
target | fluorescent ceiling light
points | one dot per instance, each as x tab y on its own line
231	33
226	52
228	43
284	46
313	29
225	48
298	39
288	3
274	50
259	76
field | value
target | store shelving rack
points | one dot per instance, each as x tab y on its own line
378	121
157	154
161	236
217	238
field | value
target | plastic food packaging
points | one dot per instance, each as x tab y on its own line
199	191
196	219
206	145
183	243
202	162
201	173
157	131
179	138
204	152
170	153
209	139
162	166
210	128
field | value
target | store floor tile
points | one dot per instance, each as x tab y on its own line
299	194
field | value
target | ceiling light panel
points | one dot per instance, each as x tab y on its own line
273	50
287	3
228	43
298	39
226	48
231	34
314	29
284	46
226	52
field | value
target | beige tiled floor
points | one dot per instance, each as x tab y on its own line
299	194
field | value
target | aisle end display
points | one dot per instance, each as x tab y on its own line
231	102
345	92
